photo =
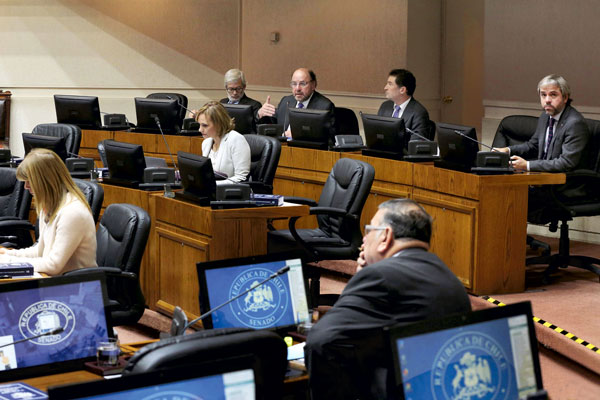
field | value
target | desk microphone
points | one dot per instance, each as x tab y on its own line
209	312
52	332
182	106
417	134
485	159
157	120
474	140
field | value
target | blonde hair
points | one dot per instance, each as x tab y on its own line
217	114
49	180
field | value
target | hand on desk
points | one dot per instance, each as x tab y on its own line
518	163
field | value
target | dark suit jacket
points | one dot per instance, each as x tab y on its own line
415	116
344	349
245	100
317	102
568	149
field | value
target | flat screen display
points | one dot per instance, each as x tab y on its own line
31	308
279	303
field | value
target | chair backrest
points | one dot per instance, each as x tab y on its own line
15	200
514	129
266	350
181	98
346	122
71	133
121	237
264	158
432	130
347	187
594	144
94	193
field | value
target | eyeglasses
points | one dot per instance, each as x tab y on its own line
235	89
369	228
302	84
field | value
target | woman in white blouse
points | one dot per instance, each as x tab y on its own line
67	238
227	149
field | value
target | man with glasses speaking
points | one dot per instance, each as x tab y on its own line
235	85
398	281
304	95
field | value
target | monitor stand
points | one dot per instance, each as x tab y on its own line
391	155
192	198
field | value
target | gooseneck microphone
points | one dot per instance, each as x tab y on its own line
182	106
157	120
52	332
476	141
281	271
417	134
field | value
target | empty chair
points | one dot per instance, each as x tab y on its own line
121	239
346	122
264	350
182	100
264	158
71	133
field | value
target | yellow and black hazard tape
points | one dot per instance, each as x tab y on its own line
551	326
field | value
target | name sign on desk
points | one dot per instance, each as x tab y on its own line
21	390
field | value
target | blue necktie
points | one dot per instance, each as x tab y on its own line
550	136
300	105
396	112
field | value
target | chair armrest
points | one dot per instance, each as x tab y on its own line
581	187
300	200
337	212
16	224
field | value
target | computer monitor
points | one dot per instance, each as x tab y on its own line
386	136
55	143
76	303
83	111
208	381
279	304
489	354
197	178
243	117
125	162
310	128
148	111
457	152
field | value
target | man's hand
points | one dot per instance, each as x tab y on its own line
501	149
518	163
360	261
267	110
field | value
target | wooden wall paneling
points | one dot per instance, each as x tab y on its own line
89	143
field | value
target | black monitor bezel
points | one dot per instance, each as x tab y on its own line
87	107
464	154
385	133
319	122
133	156
57	144
202	170
167	111
243	117
63	366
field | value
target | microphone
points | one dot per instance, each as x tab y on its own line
281	271
54	331
182	106
486	160
417	134
476	141
157	120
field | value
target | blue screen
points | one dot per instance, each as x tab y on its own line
279	302
488	360
228	386
77	307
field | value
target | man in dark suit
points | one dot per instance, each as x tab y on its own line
304	95
559	143
398	282
399	90
235	85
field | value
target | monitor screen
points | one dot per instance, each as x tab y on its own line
149	111
243	117
179	383
83	111
385	136
457	152
489	354
197	178
278	304
54	143
76	303
126	163
310	128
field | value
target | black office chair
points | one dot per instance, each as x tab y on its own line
71	133
338	212
264	350
264	158
181	99
15	203
121	240
515	129
578	197
346	122
94	194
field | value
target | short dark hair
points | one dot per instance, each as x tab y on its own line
408	219
405	78
312	74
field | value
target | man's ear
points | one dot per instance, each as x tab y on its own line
385	240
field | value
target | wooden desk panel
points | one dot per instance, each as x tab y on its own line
89	143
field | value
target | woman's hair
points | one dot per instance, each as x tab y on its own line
49	180
217	114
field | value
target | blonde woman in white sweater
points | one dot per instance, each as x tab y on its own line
67	238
